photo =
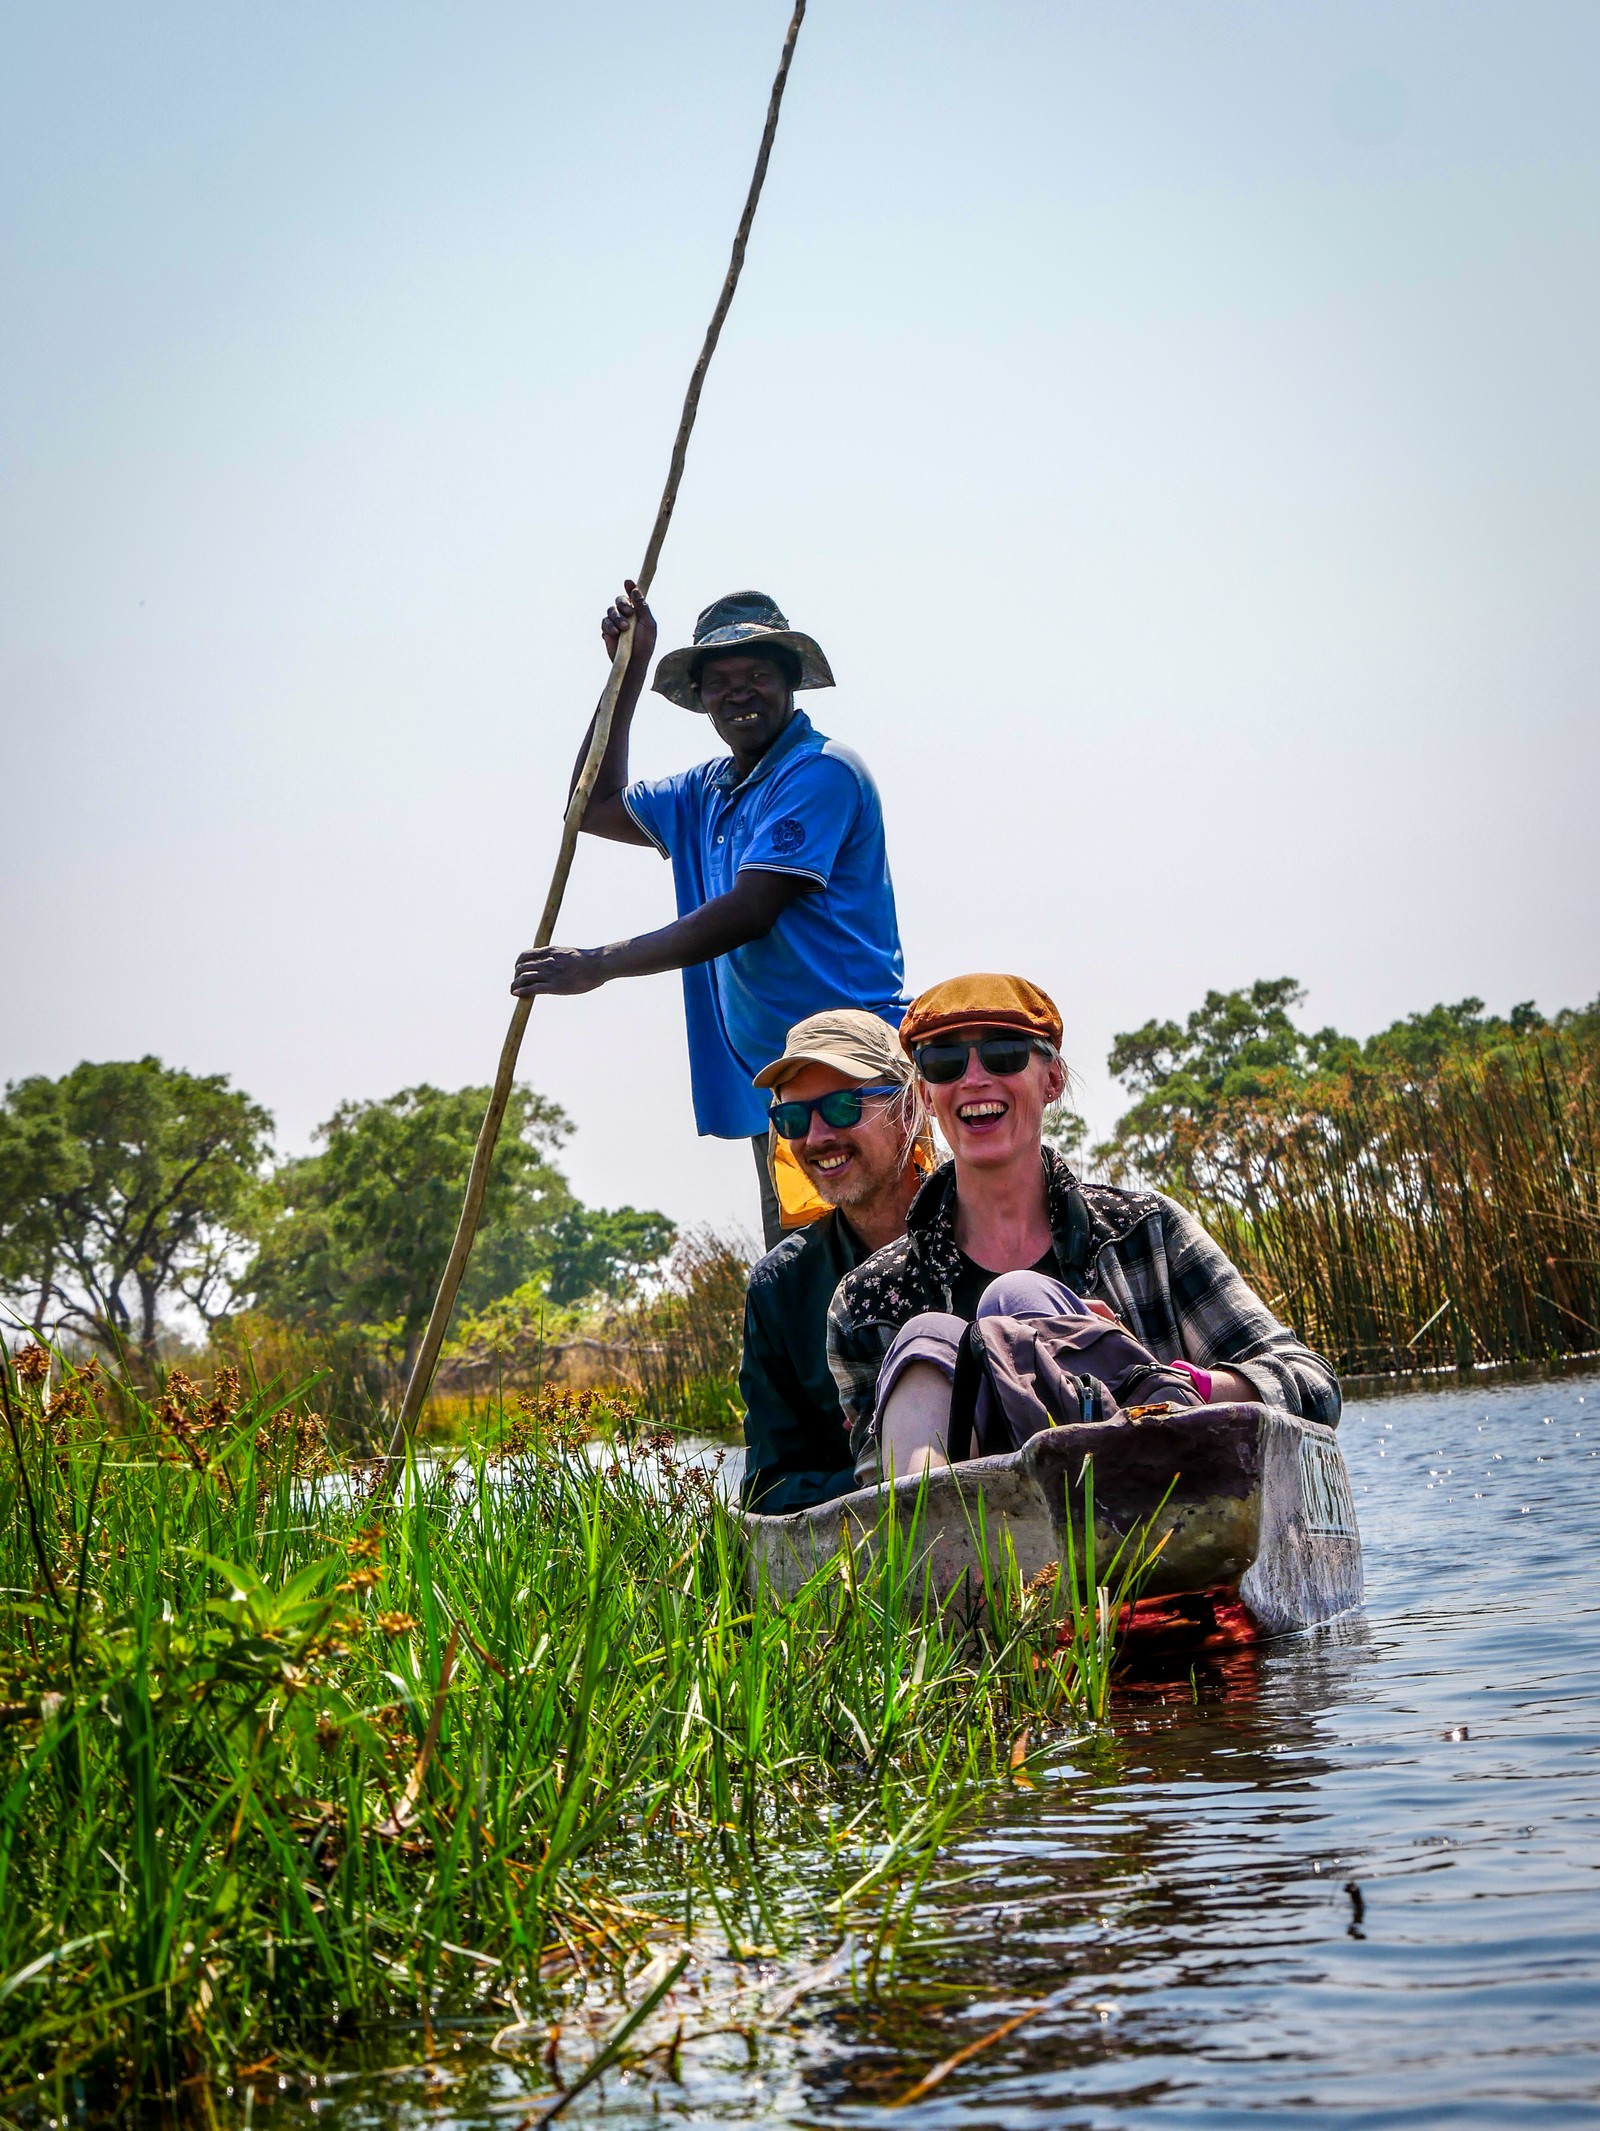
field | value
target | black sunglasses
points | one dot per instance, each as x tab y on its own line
841	1109
945	1058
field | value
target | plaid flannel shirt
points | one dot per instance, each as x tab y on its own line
1141	1253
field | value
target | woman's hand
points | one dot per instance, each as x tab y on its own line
560	971
629	604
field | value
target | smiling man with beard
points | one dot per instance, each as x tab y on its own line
785	905
843	1099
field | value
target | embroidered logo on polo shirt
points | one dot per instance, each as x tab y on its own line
788	835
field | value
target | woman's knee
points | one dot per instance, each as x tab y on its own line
935	1328
1030	1294
934	1337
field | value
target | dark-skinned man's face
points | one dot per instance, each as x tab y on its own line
748	699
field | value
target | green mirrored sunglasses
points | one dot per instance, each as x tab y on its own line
841	1109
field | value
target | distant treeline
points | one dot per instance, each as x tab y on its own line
1428	1197
132	1194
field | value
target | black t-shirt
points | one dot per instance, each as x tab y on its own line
797	1448
974	1278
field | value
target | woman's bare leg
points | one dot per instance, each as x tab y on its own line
914	1425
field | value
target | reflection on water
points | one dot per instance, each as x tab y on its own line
1353	1878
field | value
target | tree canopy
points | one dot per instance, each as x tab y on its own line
593	1252
1228	1046
1244	1046
1237	1044
130	1188
359	1232
122	1183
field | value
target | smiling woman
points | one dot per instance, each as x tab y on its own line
1006	1227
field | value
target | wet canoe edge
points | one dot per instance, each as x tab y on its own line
1259	1502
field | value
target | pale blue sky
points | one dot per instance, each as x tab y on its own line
1177	423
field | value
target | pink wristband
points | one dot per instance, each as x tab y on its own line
1200	1378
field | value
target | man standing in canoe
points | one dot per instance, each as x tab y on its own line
785	904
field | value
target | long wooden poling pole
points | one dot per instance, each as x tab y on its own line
444	1301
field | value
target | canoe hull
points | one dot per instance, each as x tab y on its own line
1253	1501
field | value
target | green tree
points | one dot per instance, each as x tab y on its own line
123	1185
1422	1042
1066	1130
599	1253
1236	1046
360	1231
1226	1047
1244	1047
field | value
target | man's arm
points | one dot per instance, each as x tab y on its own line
782	1471
605	815
749	910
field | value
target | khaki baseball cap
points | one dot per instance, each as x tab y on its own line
847	1038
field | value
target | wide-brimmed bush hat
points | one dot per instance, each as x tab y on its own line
740	621
984	1001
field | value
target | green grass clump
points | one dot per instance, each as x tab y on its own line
278	1768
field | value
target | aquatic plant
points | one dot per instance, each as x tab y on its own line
275	1770
1449	1216
682	1345
1419	1202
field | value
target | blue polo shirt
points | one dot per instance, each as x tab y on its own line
808	808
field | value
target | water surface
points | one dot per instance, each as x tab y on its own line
1352	1879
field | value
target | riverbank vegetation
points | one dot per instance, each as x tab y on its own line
280	1767
1428	1197
142	1215
279	1770
1422	1198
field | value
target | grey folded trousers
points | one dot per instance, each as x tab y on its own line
935	1336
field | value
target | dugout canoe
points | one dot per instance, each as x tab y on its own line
1262	1523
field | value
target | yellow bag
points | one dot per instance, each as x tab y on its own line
799	1202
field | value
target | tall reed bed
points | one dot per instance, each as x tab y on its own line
1409	1218
275	1770
676	1347
681	1347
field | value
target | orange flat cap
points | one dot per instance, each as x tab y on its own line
981	1002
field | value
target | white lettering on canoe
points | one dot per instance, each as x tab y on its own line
1325	1489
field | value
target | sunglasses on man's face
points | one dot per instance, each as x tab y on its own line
841	1109
945	1058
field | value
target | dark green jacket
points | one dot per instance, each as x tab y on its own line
798	1450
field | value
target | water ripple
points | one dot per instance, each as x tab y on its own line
1350	1880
